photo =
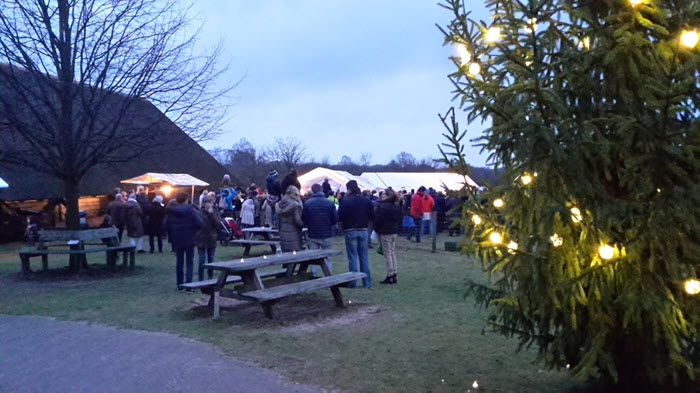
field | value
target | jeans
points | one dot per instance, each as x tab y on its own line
206	255
418	228
429	224
151	239
356	248
320	244
184	256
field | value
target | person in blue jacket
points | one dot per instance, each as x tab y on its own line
182	222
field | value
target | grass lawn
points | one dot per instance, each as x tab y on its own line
421	335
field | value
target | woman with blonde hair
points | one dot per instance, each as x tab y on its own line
290	222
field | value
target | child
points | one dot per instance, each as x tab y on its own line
32	233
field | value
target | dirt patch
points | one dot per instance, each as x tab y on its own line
299	314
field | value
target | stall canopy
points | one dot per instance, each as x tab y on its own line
3	183
173	179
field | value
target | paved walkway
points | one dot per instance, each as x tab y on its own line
39	354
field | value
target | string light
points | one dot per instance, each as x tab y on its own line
495	238
493	34
585	43
606	252
531	25
576	215
499	203
689	38
692	286
474	69
463	53
635	2
476	219
556	240
512	247
526	179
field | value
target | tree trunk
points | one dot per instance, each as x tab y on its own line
72	194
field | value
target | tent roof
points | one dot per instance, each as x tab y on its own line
413	180
3	183
176	179
337	180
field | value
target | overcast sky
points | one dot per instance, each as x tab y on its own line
345	77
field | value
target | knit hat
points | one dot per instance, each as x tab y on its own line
158	199
272	172
132	197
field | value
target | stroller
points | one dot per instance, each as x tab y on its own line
229	231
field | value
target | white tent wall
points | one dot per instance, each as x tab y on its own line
382	180
413	180
337	180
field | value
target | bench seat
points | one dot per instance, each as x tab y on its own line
267	296
26	253
256	242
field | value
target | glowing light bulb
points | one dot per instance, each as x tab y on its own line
493	34
689	38
475	385
606	252
294	253
476	219
264	256
526	179
242	260
635	2
531	25
349	301
498	203
568	366
576	214
692	286
512	247
556	240
463	53
495	238
474	69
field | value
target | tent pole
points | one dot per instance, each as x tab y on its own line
193	194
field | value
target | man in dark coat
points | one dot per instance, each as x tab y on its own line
291	180
182	223
154	227
115	209
355	213
319	216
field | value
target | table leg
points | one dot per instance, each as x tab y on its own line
337	296
26	270
215	296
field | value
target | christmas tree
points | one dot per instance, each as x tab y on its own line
592	245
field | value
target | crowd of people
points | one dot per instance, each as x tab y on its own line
360	216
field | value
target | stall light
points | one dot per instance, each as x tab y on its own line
166	190
692	286
689	38
606	252
499	203
476	219
495	238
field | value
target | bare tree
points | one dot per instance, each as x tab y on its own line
288	153
366	159
78	73
405	160
247	164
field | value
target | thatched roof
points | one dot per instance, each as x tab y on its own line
172	151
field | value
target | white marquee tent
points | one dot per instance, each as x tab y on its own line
413	180
337	180
381	180
3	183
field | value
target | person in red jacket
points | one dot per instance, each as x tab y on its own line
428	205
417	212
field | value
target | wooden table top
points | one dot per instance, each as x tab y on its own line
244	264
260	230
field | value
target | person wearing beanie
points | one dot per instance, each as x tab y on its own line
290	180
274	194
154	224
355	213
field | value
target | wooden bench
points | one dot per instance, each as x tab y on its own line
248	243
266	297
54	242
208	286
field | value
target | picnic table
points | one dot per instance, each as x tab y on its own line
76	244
258	236
253	283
